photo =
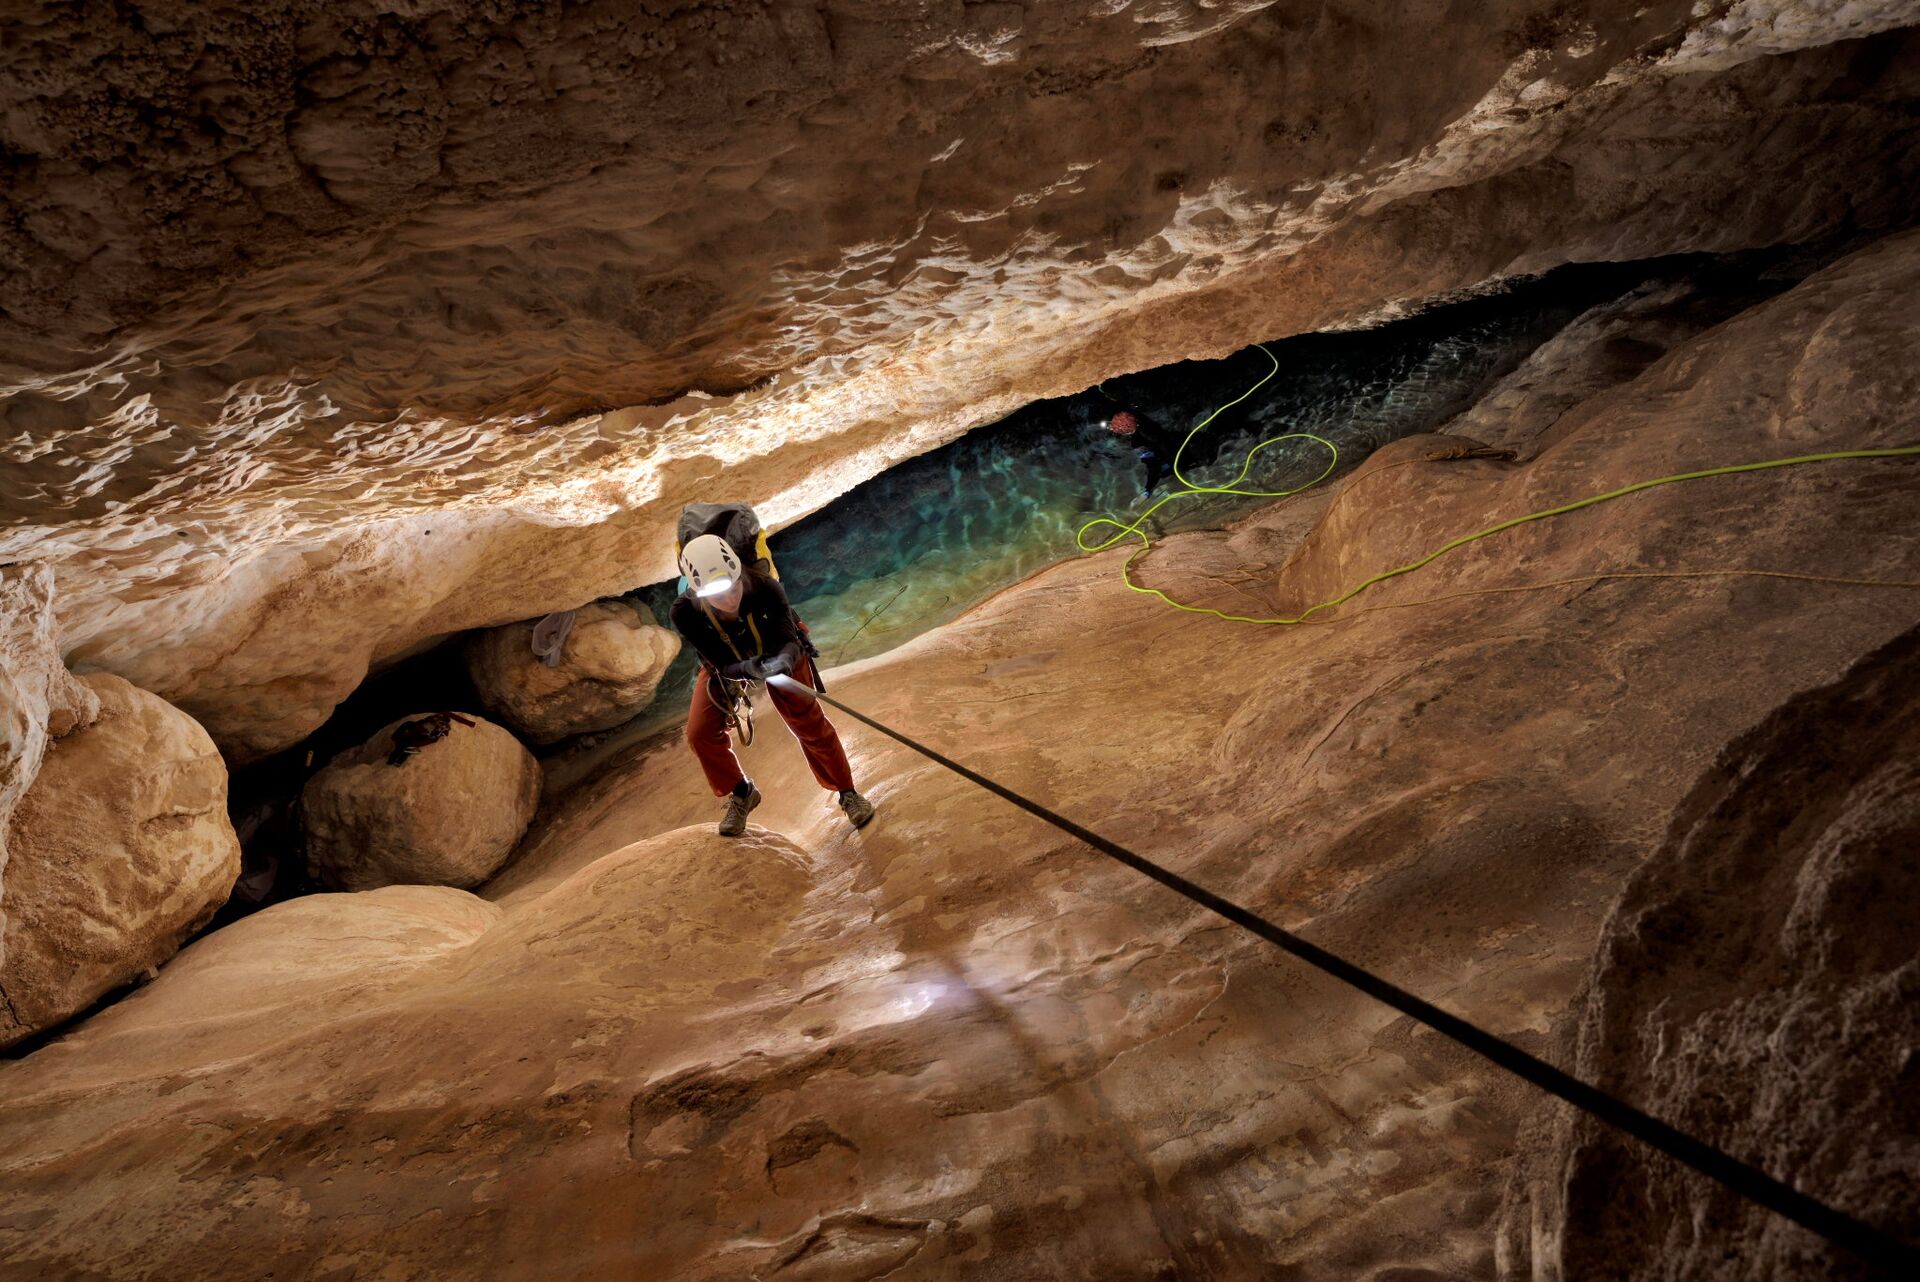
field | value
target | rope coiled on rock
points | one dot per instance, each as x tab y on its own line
1134	528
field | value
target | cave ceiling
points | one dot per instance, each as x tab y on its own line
330	328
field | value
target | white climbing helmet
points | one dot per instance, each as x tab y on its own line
710	564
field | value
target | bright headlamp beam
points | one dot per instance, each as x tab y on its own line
714	588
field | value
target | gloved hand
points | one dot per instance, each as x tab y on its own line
773	665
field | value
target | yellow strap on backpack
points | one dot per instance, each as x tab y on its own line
759	646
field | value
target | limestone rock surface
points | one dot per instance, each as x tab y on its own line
612	663
1757	987
120	849
327	331
448	815
39	698
956	1044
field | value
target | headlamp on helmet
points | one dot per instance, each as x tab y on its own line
710	565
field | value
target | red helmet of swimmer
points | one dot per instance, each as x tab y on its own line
1123	424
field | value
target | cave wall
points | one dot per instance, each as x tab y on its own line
39	698
330	329
1755	987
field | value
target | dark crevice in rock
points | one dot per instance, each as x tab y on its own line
803	1143
13	1012
263	797
54	1032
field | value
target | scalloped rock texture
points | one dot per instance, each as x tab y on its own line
447	815
331	329
956	1044
609	668
120	851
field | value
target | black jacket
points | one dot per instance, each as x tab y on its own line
765	626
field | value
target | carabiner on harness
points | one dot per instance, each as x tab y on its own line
737	708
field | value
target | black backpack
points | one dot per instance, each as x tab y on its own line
734	522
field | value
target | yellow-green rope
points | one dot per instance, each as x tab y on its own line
1122	531
1231	487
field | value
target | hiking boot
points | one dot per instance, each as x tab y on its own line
859	809
734	822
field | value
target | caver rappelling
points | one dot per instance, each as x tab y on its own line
736	616
1151	443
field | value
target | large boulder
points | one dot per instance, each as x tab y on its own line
448	814
120	850
609	668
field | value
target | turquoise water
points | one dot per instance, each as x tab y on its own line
918	545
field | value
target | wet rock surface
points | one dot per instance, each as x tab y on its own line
609	667
957	1044
447	813
119	851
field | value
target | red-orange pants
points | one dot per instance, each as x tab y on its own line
707	735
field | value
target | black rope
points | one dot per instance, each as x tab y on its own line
1836	1226
869	619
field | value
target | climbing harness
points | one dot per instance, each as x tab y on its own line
1836	1226
1466	450
737	711
753	629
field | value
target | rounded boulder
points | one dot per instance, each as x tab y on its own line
608	669
420	808
119	850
